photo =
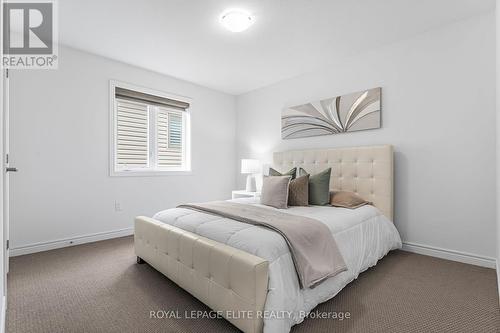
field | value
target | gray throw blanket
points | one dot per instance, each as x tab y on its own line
314	251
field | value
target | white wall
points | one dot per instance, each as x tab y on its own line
439	113
59	123
497	12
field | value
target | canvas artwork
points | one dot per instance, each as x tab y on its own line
347	113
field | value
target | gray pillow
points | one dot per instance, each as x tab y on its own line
298	192
292	172
275	191
319	187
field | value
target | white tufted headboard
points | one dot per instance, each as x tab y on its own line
367	171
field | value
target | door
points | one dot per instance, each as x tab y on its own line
4	190
6	173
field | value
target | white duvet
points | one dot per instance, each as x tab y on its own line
363	236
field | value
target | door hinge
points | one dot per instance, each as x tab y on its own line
7	73
7	244
6	158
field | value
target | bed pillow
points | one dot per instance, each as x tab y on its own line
347	199
292	172
319	187
298	192
275	191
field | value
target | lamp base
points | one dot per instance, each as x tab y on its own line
251	187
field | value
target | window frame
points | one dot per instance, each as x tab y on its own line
150	171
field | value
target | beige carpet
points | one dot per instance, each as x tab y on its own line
99	288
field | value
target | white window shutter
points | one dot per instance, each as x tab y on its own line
175	130
132	135
169	138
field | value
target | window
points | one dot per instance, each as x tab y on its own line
150	132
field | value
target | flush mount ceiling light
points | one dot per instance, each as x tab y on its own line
236	20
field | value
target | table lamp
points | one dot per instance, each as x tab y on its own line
250	167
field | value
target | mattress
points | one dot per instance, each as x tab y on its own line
363	236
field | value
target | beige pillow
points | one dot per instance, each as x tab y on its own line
347	199
275	191
298	193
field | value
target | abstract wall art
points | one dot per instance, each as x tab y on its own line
347	113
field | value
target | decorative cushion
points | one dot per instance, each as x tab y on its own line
319	187
298	192
347	199
275	191
292	172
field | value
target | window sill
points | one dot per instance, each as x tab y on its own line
150	173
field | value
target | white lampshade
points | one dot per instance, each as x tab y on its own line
250	166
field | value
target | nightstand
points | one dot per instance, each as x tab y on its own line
244	194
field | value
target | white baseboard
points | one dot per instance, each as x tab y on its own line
3	315
464	257
432	251
45	246
498	282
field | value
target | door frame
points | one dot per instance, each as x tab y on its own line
4	195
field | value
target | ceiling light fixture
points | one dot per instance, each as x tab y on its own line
236	20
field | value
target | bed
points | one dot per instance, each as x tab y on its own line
246	272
